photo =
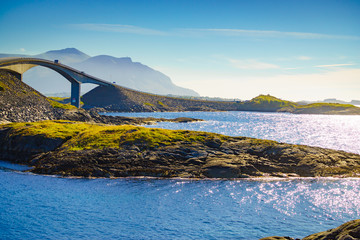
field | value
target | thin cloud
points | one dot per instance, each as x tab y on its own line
198	32
335	65
265	33
252	64
118	28
303	58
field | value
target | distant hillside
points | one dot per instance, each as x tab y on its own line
123	71
67	55
126	100
134	75
330	100
355	102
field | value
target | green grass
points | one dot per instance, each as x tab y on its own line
268	100
149	104
2	87
56	104
255	141
161	104
115	136
81	136
59	99
50	129
64	100
332	105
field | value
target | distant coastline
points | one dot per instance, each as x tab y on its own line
120	99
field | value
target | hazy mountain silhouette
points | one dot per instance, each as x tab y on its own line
67	55
125	72
122	71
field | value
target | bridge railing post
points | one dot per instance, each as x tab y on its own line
75	94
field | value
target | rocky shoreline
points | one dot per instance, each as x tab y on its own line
347	231
68	148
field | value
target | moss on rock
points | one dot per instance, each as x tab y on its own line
82	135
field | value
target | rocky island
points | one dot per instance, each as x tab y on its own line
70	148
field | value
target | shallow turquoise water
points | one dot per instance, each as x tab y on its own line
45	207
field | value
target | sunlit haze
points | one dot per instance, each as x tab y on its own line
295	50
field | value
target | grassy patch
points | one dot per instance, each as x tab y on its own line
64	100
330	105
115	136
327	108
255	141
51	129
81	136
60	99
149	104
2	87
161	104
55	104
267	100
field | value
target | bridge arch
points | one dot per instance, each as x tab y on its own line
18	66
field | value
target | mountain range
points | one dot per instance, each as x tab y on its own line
122	71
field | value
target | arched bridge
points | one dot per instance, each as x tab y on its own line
18	66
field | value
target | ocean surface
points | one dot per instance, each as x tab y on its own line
50	207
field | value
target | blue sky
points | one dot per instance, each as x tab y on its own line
237	49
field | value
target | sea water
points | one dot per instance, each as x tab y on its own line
49	207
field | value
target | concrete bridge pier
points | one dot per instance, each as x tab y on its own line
75	93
